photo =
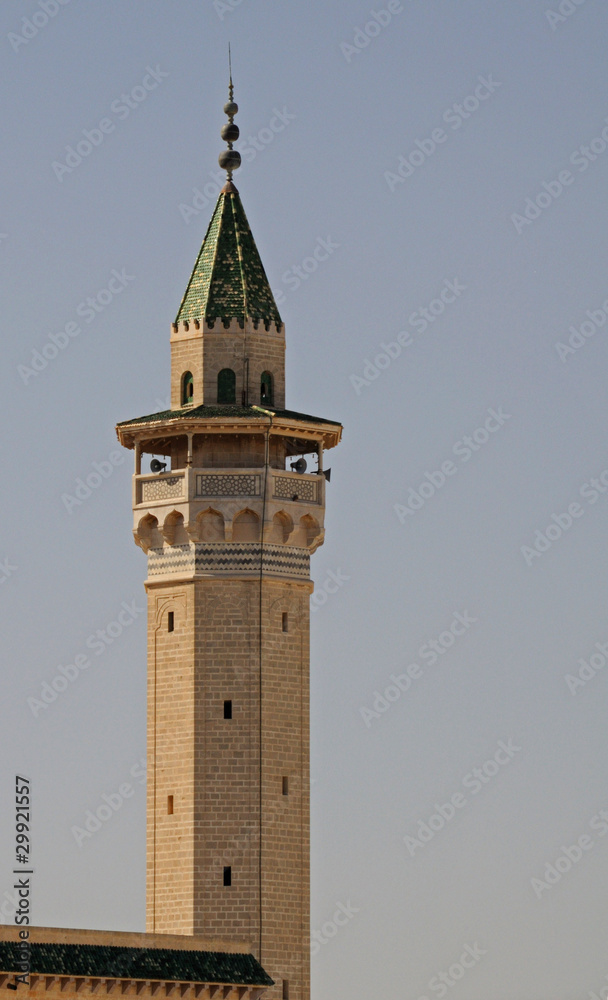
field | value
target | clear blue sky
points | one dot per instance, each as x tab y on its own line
463	486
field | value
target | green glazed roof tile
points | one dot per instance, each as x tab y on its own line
198	412
115	962
228	281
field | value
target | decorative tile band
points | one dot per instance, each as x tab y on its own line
171	559
209	485
229	558
161	489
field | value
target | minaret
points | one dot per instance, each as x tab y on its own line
228	516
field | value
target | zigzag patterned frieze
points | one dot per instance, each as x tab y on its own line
171	559
229	557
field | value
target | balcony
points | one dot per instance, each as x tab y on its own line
207	484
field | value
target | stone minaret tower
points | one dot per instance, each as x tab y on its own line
228	526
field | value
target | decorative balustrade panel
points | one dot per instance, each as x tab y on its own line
237	485
166	488
288	487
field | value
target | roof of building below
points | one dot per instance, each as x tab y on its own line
203	412
114	962
228	281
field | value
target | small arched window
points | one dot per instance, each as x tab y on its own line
226	386
187	388
266	393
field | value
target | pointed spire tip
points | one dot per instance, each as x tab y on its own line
230	159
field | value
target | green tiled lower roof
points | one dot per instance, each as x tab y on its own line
114	962
198	412
229	281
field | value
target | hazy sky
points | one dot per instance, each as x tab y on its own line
453	157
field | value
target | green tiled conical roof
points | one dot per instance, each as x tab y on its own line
228	281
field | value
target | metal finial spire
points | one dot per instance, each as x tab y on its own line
230	159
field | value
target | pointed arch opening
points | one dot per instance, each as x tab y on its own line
147	535
226	386
187	388
310	528
174	531
282	527
246	526
210	526
267	389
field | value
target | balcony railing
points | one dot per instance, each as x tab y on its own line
160	488
200	484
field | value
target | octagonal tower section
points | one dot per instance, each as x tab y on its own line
228	512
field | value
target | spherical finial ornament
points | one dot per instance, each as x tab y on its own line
230	132
229	159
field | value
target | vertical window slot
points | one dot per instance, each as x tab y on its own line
227	709
169	805
170	621
285	784
285	621
228	875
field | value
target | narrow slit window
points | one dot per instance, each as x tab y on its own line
170	621
228	875
285	989
169	805
285	621
227	709
285	784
